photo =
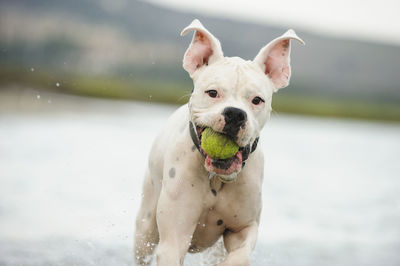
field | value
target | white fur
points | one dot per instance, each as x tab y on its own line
181	206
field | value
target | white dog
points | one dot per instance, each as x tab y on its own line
189	199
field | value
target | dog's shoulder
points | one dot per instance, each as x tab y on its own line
171	133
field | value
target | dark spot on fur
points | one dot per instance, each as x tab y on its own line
152	182
194	148
226	231
234	216
149	214
219	222
172	172
214	192
192	185
222	186
177	158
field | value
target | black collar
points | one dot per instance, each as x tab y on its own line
245	150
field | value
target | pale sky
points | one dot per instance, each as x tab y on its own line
376	20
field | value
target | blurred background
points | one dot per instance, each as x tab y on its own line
85	86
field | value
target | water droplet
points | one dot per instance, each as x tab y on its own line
38	96
204	225
58	84
32	69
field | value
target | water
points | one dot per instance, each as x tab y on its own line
71	171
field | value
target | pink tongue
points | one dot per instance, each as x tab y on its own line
239	157
234	167
208	160
237	160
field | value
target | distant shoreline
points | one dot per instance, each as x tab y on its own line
170	92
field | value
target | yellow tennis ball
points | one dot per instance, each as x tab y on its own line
217	145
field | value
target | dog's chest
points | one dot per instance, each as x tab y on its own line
224	210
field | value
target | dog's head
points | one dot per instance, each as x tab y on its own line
231	95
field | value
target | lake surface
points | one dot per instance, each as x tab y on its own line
71	170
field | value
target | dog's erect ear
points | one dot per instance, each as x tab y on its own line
203	50
274	59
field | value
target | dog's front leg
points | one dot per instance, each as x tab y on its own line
179	208
240	245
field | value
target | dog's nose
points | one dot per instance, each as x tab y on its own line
235	118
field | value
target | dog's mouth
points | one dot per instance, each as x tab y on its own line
225	168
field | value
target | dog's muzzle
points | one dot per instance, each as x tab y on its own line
226	169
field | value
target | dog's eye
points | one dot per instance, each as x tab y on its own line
212	93
257	100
